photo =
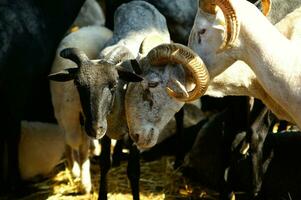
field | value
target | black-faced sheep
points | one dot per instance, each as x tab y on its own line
67	104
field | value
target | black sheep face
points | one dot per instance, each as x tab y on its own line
96	85
96	82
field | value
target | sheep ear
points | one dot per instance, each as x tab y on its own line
136	67
179	87
219	23
127	75
64	75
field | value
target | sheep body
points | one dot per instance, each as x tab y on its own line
90	14
66	102
239	79
135	21
179	16
41	148
251	45
132	23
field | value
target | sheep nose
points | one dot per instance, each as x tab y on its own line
96	131
135	138
100	132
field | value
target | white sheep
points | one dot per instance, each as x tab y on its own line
240	80
66	100
135	22
252	38
41	148
90	14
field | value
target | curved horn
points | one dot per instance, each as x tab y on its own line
180	54
74	54
150	42
119	55
232	25
266	6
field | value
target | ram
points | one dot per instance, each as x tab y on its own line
239	78
277	70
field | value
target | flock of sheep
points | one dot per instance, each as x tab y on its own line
132	80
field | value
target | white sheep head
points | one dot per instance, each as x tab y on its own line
151	103
215	32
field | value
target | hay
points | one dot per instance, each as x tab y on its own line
158	181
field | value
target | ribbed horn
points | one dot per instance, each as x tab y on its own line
208	6
232	25
266	6
150	42
119	55
74	54
180	54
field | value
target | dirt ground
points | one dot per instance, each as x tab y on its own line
158	181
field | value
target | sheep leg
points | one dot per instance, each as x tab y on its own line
105	165
69	157
257	173
85	164
95	147
133	170
179	116
117	154
10	179
259	131
236	120
258	168
75	163
226	192
266	172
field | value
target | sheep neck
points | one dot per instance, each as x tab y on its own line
273	58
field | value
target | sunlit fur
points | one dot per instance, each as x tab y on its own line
273	58
41	148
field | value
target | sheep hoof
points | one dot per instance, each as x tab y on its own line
245	148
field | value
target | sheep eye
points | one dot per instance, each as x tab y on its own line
147	96
153	84
113	87
202	31
76	83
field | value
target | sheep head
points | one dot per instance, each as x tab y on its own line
216	31
96	82
151	103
